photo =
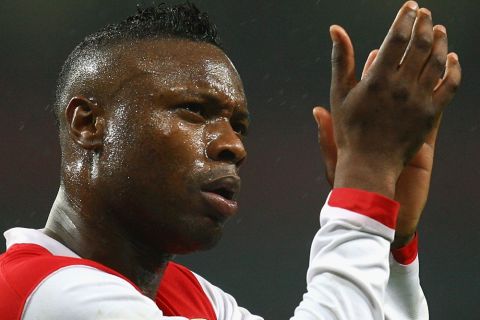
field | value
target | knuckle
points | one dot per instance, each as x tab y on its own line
438	61
400	93
453	85
338	60
376	84
399	37
338	57
423	42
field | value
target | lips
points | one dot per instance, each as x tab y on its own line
220	195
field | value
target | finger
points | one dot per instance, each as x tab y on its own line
436	62
326	139
445	91
370	59
343	65
420	46
398	37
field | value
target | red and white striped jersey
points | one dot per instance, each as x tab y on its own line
351	275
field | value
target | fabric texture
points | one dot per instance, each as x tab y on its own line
25	266
352	275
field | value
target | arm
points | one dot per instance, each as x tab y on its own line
381	124
348	268
404	299
348	262
349	257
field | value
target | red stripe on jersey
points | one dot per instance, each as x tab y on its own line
370	204
180	294
407	254
24	266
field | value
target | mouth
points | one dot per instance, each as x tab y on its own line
220	195
224	192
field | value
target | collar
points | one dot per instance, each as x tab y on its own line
34	236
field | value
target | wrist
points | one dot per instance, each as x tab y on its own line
407	253
366	173
401	240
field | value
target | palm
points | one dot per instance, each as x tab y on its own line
412	190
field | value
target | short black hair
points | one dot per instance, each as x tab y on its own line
183	21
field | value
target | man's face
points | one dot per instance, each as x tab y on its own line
173	143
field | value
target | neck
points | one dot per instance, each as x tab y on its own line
105	242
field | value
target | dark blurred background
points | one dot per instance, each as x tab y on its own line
281	49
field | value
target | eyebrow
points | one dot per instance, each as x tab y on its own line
209	95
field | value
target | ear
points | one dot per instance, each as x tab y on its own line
85	123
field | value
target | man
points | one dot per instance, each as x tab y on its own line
152	114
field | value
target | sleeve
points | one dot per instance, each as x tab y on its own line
83	292
349	258
225	306
404	298
349	262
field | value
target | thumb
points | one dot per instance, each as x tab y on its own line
326	139
343	65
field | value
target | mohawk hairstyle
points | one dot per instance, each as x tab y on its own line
183	21
162	20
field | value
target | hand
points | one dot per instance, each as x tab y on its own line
414	181
382	121
412	186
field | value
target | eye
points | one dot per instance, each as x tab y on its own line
192	112
195	108
240	128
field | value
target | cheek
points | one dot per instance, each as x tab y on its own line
181	144
154	169
161	148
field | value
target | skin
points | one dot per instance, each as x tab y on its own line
147	124
405	167
144	130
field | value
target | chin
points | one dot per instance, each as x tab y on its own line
196	241
179	231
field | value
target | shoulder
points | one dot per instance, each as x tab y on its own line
35	284
24	266
84	292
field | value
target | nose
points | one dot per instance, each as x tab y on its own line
226	145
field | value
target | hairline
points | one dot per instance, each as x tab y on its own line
78	57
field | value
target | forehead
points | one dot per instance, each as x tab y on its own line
183	65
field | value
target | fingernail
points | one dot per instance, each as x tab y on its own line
441	28
314	111
455	56
426	12
333	34
412	5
